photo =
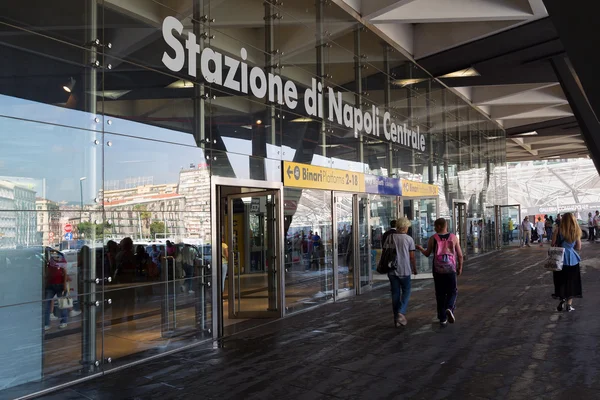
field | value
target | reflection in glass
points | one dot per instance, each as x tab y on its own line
309	240
345	241
384	209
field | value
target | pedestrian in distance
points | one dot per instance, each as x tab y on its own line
447	266
526	228
400	277
540	227
591	228
567	282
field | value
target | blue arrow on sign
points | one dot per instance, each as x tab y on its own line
69	236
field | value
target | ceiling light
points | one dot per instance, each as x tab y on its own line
463	73
258	122
407	82
246	126
527	134
181	84
70	85
493	137
302	119
330	145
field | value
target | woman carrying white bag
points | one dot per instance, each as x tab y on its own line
567	281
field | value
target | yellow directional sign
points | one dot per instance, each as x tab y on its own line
314	177
418	189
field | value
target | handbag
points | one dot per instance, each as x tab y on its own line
65	301
554	261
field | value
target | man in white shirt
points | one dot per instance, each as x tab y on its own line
400	279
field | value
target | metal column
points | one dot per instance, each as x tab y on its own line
199	90
358	90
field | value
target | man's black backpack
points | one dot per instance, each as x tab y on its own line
388	260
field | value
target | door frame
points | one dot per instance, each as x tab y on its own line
461	239
518	206
276	262
216	183
352	292
362	289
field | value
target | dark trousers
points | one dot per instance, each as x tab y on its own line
592	233
446	292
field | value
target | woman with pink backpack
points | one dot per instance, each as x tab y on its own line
447	265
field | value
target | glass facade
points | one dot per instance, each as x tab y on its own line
117	119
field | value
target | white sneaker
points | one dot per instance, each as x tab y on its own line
74	313
62	326
47	327
191	292
53	317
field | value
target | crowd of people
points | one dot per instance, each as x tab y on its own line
447	254
124	263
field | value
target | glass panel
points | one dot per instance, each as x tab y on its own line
489	229
384	209
50	162
511	216
423	229
42	338
345	241
308	221
253	247
364	243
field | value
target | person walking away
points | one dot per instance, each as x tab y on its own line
316	247
567	282
591	228
400	280
540	227
390	231
548	225
447	266
526	228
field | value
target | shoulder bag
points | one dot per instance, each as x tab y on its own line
65	301
388	261
554	261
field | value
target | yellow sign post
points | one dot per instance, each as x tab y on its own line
418	189
314	177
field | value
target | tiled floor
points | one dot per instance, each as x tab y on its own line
509	342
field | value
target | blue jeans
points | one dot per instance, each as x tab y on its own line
400	300
51	291
446	293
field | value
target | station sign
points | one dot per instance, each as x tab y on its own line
315	177
418	189
383	185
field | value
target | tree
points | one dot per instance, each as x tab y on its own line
157	227
86	228
93	231
145	215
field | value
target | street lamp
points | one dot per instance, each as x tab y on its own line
83	178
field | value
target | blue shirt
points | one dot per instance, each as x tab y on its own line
571	256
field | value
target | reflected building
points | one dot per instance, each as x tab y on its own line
48	221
